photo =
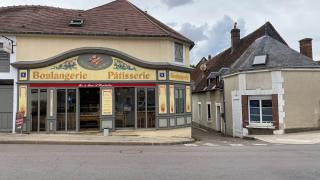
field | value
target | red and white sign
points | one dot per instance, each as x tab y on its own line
93	85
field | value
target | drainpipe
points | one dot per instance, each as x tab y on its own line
224	107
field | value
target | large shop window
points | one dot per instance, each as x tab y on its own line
260	110
180	100
178	52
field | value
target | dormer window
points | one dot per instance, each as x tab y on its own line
178	52
1	46
259	60
76	22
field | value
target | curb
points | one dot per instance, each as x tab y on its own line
94	143
249	138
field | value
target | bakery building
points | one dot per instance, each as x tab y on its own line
113	66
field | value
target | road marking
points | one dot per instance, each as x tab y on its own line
190	145
236	144
211	145
259	144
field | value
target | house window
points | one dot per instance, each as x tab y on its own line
260	110
199	110
178	52
180	98
209	111
4	61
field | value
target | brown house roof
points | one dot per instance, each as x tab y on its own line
117	18
226	58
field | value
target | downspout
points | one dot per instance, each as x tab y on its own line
224	108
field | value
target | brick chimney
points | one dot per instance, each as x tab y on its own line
306	47
235	36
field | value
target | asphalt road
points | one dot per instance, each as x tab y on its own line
285	162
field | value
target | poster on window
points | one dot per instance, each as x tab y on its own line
172	108
23	100
162	99
188	99
107	102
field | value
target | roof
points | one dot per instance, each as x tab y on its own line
226	58
277	54
117	18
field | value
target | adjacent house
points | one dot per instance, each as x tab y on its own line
112	66
257	86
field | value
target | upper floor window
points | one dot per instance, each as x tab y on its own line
4	60
178	52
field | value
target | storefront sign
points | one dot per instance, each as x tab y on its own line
172	105
92	67
46	85
179	76
23	100
188	99
162	99
107	102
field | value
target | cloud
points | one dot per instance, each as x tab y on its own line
195	33
218	38
172	24
175	3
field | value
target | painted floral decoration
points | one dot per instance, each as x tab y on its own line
120	65
67	65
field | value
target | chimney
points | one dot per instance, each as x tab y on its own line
235	36
209	57
306	47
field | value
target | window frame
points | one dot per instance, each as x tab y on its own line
175	59
260	99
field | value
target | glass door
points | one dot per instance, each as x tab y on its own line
38	110
66	109
125	107
146	110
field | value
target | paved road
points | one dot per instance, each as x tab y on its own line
285	162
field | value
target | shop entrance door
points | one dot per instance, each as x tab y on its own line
146	110
89	109
66	109
125	107
39	110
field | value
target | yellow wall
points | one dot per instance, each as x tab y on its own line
31	48
259	80
302	99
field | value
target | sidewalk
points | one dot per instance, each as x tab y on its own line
311	137
116	138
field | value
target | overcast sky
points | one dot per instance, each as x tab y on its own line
208	22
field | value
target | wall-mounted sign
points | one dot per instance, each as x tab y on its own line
23	75
107	102
188	99
92	67
162	75
172	105
162	99
179	76
23	99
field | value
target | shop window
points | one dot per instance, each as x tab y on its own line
209	111
180	100
178	52
260	110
